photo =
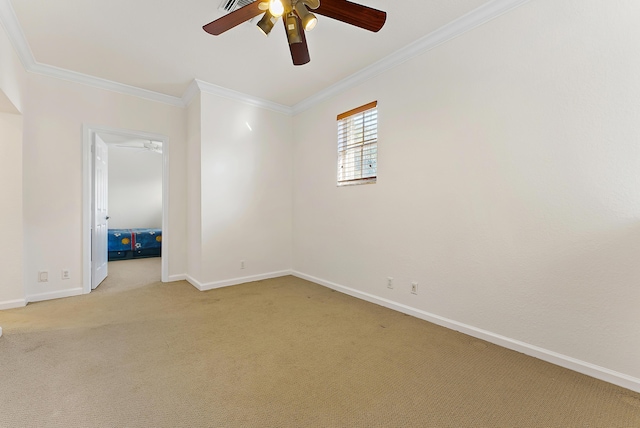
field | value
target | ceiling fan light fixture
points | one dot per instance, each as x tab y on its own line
309	20
276	8
311	4
266	23
293	29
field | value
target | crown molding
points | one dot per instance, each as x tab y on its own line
467	22
109	85
9	21
209	88
190	93
471	20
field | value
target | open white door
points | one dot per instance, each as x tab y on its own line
100	199
95	253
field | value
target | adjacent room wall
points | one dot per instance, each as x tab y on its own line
135	188
246	188
56	111
508	187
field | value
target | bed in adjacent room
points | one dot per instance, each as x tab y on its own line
134	243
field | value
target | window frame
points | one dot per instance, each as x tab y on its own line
364	143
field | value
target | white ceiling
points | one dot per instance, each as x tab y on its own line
159	45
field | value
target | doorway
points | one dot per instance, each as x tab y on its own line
95	138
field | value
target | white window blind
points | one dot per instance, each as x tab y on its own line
358	145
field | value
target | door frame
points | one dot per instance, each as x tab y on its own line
88	133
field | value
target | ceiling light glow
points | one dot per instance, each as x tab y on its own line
276	8
309	20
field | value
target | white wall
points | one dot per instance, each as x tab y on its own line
246	190
55	112
6	106
12	73
12	89
508	187
194	194
135	188
11	271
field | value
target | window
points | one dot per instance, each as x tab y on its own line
358	145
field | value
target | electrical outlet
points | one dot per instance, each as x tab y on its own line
241	264
390	282
414	288
43	276
66	274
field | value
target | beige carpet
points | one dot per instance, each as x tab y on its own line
275	353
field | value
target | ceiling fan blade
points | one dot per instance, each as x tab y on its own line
143	148
234	18
353	13
136	148
299	51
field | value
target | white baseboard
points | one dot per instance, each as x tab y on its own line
235	281
175	278
12	304
552	357
55	295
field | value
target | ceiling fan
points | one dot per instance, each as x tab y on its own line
297	19
146	146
